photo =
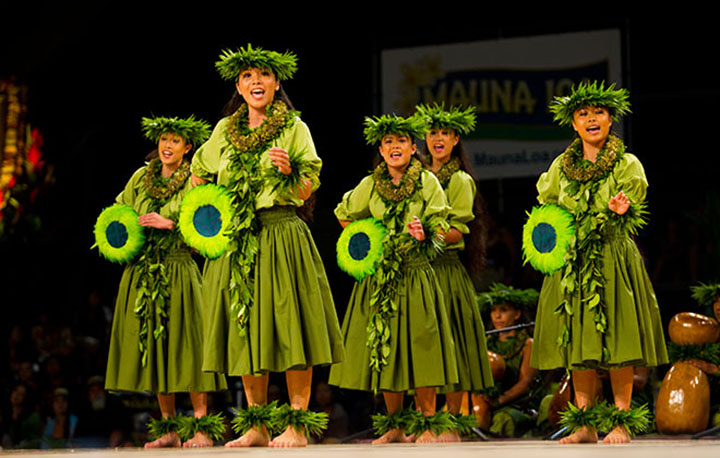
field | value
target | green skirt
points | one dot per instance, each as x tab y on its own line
292	324
634	334
174	364
422	352
466	324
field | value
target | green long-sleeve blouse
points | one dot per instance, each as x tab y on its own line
212	159
364	201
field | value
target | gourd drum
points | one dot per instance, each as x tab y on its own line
683	405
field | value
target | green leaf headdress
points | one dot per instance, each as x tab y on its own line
193	131
593	95
436	117
377	127
503	294
705	295
231	63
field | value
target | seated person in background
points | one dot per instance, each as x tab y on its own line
20	424
103	420
510	397
338	420
60	426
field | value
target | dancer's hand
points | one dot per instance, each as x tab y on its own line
708	368
619	204
196	180
303	190
416	229
155	220
452	236
280	159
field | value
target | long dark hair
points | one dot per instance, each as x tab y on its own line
305	212
474	255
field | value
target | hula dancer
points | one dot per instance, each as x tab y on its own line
156	341
396	330
448	161
599	310
268	299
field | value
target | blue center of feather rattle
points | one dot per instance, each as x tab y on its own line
207	221
543	237
359	246
116	234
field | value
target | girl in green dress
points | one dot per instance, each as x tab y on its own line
599	310
396	329
159	306
449	163
269	307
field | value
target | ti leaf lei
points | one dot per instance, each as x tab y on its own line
582	273
153	286
160	188
245	184
509	348
447	171
396	246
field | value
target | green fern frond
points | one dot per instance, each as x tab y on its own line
593	95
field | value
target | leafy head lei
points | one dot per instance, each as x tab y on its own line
503	294
436	117
377	127
706	295
231	63
592	95
193	131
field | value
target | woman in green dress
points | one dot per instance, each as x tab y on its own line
599	310
448	161
396	329
269	307
156	341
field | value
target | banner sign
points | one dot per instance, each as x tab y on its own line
510	82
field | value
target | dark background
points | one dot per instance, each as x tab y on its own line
93	72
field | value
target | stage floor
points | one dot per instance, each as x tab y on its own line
675	448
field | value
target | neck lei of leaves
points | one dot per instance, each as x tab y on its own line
153	286
582	273
397	244
244	185
447	171
162	188
509	348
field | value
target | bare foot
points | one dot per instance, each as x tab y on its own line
199	440
618	435
426	438
583	435
255	437
394	435
291	437
168	440
449	436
